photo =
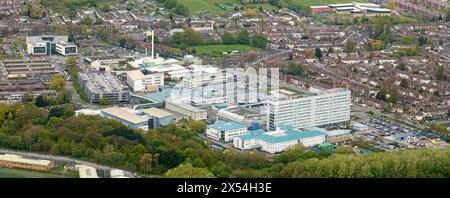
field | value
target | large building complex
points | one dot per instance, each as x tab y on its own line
98	85
49	45
276	141
17	161
225	131
314	107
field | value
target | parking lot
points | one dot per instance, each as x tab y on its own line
390	136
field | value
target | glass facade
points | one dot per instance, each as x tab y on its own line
70	50
39	50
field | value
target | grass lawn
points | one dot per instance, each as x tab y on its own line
23	173
195	6
265	6
210	49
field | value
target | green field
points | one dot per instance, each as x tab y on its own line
22	173
196	6
211	49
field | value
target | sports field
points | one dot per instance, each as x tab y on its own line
196	6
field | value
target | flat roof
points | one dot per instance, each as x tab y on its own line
86	171
20	159
124	114
155	112
318	7
135	75
226	126
282	134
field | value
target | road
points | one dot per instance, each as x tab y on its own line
66	160
76	100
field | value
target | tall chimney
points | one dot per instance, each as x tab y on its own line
153	44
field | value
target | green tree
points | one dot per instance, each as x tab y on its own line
440	73
188	171
243	37
394	95
259	41
196	126
377	45
350	46
86	21
382	93
170	158
180	9
318	53
103	101
406	40
422	40
344	150
72	67
145	163
58	82
35	12
402	66
40	101
404	83
228	38
441	129
294	69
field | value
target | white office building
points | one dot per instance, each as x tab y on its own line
316	107
50	44
139	81
225	131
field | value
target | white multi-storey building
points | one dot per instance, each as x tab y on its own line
314	108
225	131
50	44
140	82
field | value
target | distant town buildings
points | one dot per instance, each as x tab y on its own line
202	26
50	44
10	7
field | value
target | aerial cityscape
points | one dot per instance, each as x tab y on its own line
224	89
